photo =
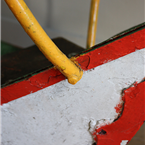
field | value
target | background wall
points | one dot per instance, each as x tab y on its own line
69	18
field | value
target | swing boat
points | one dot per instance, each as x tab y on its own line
105	107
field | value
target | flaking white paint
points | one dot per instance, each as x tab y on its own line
66	114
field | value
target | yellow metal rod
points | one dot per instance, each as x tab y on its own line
93	23
43	42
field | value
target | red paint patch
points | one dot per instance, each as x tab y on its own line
118	108
128	124
87	61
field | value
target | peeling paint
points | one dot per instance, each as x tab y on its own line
52	111
127	125
63	111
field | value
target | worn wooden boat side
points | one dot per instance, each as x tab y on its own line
44	106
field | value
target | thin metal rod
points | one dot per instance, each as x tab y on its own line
92	23
43	42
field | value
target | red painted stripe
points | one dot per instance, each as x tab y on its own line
87	61
128	124
31	85
112	51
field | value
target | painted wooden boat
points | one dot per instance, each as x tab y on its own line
106	107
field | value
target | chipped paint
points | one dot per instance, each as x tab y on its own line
52	111
63	112
128	124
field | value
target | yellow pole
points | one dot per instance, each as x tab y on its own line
43	42
93	23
